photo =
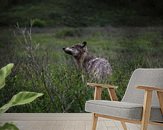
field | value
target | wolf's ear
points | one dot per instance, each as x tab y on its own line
84	44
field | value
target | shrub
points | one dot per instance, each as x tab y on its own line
38	23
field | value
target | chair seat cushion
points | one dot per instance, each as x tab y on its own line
125	110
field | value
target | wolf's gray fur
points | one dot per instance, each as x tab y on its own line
98	67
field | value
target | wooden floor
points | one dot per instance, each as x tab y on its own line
57	121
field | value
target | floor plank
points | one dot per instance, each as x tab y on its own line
57	121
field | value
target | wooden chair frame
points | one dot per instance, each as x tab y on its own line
146	106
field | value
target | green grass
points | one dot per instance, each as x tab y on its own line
76	13
56	75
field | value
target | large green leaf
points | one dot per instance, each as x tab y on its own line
8	126
4	72
20	99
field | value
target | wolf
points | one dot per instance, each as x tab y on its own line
97	67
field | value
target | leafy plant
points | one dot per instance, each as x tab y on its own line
4	72
8	126
19	99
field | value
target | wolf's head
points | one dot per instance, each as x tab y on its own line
76	50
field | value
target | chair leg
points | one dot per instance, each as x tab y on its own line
144	126
146	110
94	122
124	125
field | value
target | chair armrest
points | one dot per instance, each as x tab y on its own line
150	88
148	101
102	85
98	90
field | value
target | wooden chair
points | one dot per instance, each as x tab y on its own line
141	104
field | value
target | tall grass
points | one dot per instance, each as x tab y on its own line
42	66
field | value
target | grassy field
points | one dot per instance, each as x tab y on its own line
77	13
42	66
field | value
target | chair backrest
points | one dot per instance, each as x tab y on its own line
148	77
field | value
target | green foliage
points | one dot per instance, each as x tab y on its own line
20	99
4	72
38	23
8	126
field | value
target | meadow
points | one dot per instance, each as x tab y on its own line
85	13
42	66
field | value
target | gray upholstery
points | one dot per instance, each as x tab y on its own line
149	77
132	103
125	110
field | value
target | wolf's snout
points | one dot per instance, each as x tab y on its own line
67	50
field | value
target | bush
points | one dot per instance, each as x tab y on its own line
38	23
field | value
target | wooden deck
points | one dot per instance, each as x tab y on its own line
58	121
